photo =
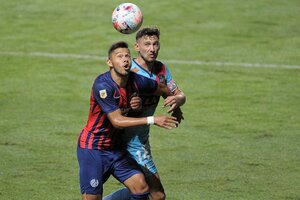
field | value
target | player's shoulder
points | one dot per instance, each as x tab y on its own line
103	77
133	76
160	67
135	67
159	63
141	81
103	81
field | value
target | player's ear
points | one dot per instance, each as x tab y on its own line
109	63
136	47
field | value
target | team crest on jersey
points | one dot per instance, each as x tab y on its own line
103	94
162	78
135	70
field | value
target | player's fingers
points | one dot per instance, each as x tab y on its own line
171	118
165	125
172	108
134	107
173	121
134	104
135	100
169	126
173	125
169	101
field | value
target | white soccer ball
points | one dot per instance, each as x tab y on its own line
127	18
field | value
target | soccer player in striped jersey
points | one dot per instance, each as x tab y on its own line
137	138
98	152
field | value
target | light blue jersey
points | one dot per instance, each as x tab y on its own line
137	138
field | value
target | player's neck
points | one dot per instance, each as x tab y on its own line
119	79
143	63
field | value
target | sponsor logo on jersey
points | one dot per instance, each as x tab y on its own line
94	183
103	94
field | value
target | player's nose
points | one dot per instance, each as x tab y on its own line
126	60
152	48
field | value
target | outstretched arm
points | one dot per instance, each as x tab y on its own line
120	121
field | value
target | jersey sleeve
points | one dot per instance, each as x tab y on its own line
172	85
103	94
145	85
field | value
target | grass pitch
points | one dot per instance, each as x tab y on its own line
237	62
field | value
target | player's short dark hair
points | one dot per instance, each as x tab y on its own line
115	46
149	31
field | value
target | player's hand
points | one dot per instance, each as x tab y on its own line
172	102
167	122
135	102
178	114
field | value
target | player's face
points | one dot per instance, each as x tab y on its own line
120	61
148	47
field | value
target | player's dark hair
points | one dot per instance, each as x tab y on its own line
115	46
148	31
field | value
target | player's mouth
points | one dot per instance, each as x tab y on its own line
127	67
152	55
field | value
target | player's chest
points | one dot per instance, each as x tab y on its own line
122	97
159	75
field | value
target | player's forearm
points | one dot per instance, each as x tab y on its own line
180	97
124	122
119	121
162	90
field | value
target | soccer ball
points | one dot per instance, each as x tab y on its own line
127	18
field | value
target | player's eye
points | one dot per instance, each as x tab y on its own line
119	55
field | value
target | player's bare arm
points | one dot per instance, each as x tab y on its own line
120	121
174	101
162	90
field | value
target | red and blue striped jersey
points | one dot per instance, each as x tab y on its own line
106	97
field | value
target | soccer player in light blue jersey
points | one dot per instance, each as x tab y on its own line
136	139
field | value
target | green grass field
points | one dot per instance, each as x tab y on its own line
237	62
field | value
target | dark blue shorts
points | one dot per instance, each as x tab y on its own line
95	167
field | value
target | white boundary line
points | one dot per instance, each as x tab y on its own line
53	55
184	62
